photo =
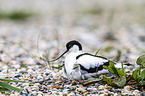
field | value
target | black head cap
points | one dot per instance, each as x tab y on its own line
68	46
73	42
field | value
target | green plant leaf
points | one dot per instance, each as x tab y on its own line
122	67
141	60
108	81
121	72
110	67
142	74
8	80
120	82
105	67
113	69
3	89
5	85
118	73
135	74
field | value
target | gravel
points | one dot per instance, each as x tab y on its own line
26	45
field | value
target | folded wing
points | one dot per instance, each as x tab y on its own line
90	63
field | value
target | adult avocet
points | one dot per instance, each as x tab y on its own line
80	65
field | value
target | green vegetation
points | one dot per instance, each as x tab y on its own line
108	48
139	74
137	78
94	10
120	74
5	86
15	15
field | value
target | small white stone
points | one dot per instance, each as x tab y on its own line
5	67
39	95
23	69
92	89
12	95
71	94
36	84
16	93
115	94
136	92
102	95
65	92
101	87
127	87
105	91
79	89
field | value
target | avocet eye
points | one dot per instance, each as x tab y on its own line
69	46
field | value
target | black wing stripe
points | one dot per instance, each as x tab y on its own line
90	55
93	70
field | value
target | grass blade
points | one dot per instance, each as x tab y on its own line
5	85
98	51
3	89
8	80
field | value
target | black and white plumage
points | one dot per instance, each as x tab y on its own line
80	65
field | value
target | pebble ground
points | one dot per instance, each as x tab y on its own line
117	27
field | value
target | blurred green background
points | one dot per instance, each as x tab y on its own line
106	24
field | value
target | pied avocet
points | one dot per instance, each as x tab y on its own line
80	65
